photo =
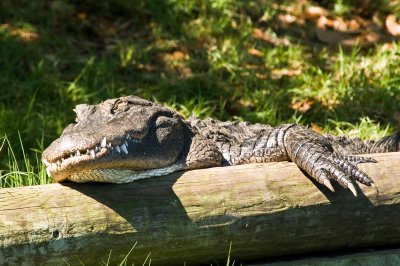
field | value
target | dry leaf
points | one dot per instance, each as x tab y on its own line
255	52
22	34
261	76
279	73
178	56
316	128
353	25
174	56
25	35
315	12
392	26
303	105
322	22
262	35
288	19
339	24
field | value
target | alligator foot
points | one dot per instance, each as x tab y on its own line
315	155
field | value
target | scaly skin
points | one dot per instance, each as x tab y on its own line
125	139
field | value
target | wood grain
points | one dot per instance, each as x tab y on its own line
262	210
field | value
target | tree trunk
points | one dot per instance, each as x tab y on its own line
261	210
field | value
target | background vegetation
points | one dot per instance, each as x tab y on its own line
332	65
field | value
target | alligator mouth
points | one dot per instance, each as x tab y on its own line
95	152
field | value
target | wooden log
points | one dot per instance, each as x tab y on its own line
366	257
261	210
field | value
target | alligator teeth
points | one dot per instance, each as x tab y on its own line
118	149
96	149
78	153
93	153
127	136
48	171
126	143
104	143
109	145
124	149
136	140
71	155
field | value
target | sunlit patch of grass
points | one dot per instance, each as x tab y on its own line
128	259
202	58
364	129
24	32
340	7
21	173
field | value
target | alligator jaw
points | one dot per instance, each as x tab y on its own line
76	157
125	133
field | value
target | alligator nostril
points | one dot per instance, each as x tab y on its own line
55	234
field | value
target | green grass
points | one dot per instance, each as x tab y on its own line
196	57
129	258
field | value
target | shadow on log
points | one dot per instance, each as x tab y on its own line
262	210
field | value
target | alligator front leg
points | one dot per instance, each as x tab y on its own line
314	154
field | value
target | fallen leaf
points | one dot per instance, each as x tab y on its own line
262	35
288	19
315	12
303	105
279	73
174	56
353	25
316	128
336	24
255	52
261	76
339	24
178	56
392	26
322	22
25	35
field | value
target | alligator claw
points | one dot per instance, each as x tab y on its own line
315	155
341	169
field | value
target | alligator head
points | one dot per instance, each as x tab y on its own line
127	133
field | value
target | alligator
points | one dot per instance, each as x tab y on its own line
129	138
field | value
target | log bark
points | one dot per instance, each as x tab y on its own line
260	210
